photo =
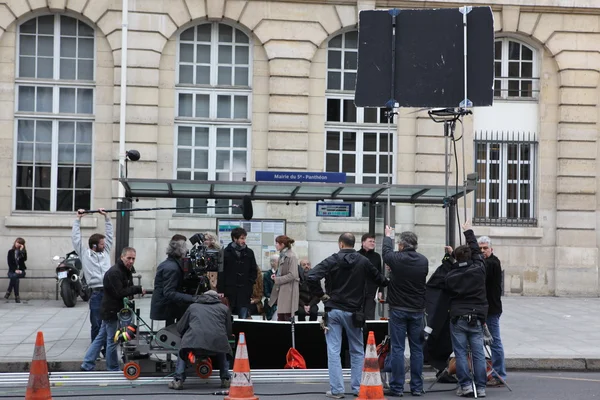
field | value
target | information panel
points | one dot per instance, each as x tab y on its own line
261	235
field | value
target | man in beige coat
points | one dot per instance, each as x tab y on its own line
286	292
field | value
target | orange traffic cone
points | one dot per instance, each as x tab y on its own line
241	385
370	385
38	387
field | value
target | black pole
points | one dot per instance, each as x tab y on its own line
372	217
451	209
123	225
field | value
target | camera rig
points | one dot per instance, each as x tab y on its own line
198	261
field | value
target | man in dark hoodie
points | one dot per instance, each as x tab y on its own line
205	328
406	298
345	275
465	284
367	249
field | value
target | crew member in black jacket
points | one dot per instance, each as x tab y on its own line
406	298
117	284
367	249
465	284
345	275
168	300
493	286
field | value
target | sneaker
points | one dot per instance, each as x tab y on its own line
225	383
494	382
480	392
176	384
334	395
418	393
467	391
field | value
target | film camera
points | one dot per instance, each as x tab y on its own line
197	262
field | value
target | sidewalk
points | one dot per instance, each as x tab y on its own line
537	332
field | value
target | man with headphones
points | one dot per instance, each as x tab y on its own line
95	261
117	285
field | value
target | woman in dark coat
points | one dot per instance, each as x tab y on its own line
16	267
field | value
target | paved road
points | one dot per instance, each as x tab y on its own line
558	329
525	385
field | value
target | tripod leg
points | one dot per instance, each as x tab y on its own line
472	371
496	372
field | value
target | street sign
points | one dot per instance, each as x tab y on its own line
293	176
334	209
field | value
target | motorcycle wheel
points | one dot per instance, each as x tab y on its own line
86	292
67	293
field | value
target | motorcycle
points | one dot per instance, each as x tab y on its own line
71	280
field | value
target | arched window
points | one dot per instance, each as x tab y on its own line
54	114
214	98
516	70
357	141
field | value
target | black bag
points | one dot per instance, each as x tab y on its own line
359	319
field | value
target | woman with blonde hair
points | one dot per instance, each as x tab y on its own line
212	243
286	291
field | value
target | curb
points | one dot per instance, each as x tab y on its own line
515	364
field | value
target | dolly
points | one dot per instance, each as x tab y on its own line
141	346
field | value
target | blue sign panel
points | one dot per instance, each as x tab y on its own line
334	209
293	176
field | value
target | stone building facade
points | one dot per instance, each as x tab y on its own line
218	89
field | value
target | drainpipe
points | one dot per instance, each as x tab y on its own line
123	99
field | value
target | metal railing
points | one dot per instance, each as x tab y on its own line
504	150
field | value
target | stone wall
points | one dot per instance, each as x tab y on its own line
558	257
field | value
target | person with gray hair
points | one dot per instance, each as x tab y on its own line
493	287
406	298
168	300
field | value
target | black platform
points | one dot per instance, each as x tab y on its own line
268	342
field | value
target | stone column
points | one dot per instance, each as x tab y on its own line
573	41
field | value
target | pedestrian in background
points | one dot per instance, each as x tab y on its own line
16	258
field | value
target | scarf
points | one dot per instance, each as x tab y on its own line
238	248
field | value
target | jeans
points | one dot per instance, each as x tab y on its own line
493	323
242	312
14	282
463	336
105	338
95	304
336	321
221	358
401	324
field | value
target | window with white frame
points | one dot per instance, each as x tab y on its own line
54	114
213	121
357	141
516	70
506	165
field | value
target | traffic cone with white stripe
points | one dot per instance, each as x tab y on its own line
241	384
38	387
370	385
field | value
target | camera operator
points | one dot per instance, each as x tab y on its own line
168	300
465	284
205	328
346	273
239	273
406	298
